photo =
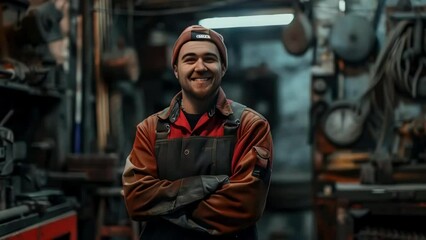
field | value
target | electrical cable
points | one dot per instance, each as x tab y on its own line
397	71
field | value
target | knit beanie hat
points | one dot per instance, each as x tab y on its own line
200	33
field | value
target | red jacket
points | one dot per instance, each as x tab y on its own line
230	207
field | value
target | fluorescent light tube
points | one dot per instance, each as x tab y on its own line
342	5
247	21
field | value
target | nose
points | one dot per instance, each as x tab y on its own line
200	66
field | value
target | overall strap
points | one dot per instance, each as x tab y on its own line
233	121
223	165
163	127
230	127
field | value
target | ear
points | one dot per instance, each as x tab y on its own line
175	71
223	69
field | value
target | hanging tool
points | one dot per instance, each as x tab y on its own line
298	36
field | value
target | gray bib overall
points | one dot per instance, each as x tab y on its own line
192	156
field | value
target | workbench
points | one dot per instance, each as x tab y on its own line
58	221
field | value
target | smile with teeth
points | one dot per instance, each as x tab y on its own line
200	79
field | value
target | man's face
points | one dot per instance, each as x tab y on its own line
199	69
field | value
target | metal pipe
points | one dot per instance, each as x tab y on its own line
14	212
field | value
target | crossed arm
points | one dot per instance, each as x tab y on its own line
216	204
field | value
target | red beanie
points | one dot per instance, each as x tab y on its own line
200	33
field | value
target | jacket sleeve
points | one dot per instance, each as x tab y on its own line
147	196
240	203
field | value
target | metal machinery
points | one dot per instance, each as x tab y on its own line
50	167
29	96
369	151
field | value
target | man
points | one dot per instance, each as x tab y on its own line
199	169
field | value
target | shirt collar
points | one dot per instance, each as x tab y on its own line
172	112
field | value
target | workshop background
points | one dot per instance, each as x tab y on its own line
342	83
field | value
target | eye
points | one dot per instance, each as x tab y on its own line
210	59
189	60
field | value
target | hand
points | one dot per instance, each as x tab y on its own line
212	182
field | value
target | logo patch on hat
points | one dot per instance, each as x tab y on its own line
199	36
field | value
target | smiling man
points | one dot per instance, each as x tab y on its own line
201	168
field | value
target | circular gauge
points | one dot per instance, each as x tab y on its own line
343	124
319	85
352	38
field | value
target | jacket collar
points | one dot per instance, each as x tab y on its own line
172	112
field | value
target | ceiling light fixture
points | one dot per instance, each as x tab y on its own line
247	21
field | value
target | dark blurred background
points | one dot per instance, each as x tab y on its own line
340	81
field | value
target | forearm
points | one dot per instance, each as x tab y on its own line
146	196
225	212
220	213
232	208
240	204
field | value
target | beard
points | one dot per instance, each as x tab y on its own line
201	95
199	90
